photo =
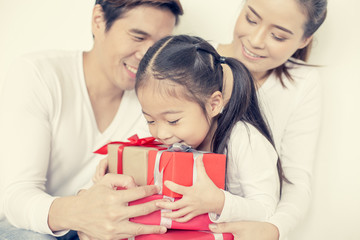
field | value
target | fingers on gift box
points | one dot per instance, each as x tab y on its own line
200	222
186	234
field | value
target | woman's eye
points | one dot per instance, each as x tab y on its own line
250	20
277	38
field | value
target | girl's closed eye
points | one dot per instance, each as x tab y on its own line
174	122
150	122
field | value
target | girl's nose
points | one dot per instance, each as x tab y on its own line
163	133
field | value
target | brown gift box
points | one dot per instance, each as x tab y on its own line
134	161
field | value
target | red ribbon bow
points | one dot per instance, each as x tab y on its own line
134	141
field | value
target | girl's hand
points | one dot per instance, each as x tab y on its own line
247	230
101	170
203	197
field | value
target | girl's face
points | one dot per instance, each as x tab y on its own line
267	33
173	119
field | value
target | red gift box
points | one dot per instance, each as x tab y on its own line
154	167
179	167
186	234
200	222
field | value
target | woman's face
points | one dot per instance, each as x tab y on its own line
267	33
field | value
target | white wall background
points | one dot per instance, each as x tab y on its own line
31	25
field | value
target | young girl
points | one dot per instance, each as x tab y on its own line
179	84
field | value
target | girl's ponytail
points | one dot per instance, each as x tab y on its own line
243	105
237	105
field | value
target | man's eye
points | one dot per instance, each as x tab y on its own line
139	39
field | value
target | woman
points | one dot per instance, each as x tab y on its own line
273	39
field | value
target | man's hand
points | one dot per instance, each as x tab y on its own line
101	170
102	212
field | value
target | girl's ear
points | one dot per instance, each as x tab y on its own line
306	42
215	104
98	23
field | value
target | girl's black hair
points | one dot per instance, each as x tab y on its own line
194	64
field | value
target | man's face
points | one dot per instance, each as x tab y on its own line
120	49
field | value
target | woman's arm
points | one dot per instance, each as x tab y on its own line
297	152
247	230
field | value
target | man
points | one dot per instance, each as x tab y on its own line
65	105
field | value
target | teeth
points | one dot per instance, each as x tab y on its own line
131	69
250	53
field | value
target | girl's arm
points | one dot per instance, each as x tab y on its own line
252	183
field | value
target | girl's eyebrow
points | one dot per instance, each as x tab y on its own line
164	113
145	113
276	26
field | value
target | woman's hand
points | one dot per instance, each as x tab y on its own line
203	197
247	230
101	170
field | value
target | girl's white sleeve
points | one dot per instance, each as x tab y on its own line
297	152
25	141
252	180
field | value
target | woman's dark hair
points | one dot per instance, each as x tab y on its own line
315	12
115	9
194	64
